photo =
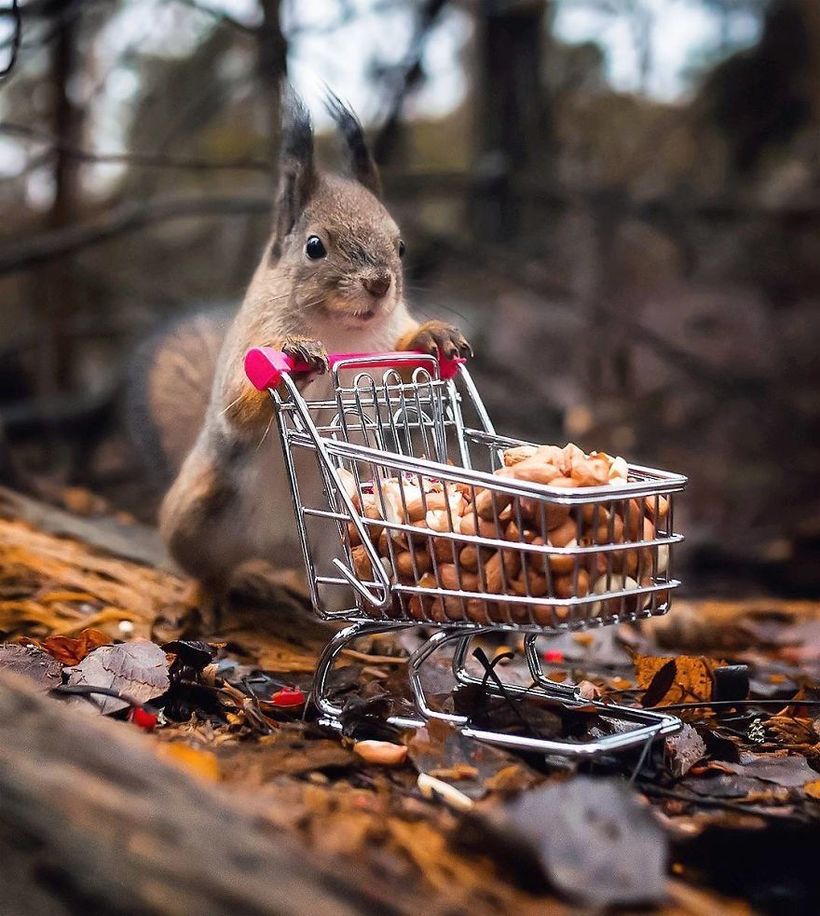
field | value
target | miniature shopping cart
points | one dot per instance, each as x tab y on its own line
394	435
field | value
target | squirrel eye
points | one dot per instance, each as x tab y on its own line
314	248
402	248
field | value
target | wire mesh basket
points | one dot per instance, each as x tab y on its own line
403	505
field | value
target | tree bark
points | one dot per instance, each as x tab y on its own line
511	109
92	821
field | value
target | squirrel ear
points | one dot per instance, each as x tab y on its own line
297	169
361	162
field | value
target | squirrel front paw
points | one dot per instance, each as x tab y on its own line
308	351
439	338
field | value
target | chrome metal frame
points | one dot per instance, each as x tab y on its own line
399	434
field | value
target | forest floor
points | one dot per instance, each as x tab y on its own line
723	816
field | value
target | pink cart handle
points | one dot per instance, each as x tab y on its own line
265	366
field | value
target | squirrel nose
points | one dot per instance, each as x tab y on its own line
378	285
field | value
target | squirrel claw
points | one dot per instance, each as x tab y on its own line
308	351
436	337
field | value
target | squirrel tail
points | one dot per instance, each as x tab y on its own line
169	386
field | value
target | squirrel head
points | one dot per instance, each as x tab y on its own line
333	238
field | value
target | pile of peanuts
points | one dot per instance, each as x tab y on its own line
434	562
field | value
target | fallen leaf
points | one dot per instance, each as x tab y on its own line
595	839
71	650
812	789
790	772
439	748
791	729
685	749
138	669
658	687
193	760
32	662
678	679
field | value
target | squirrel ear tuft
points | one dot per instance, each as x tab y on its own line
297	168
361	161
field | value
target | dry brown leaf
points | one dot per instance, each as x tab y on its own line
812	789
71	650
31	662
691	677
201	763
137	669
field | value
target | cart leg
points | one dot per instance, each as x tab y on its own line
649	725
329	712
537	674
417	659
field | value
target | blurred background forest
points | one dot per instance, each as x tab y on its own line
618	200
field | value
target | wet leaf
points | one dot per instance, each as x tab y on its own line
138	669
71	650
595	839
31	662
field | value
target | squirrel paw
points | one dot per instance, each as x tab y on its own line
308	351
436	337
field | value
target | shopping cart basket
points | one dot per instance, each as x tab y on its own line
393	442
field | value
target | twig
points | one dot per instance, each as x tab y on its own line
705	800
411	73
84	690
375	659
133	160
780	703
128	217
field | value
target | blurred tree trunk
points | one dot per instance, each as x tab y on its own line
511	108
811	18
273	63
58	294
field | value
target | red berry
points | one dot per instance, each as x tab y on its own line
556	656
288	697
143	718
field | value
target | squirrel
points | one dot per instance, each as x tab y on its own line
330	280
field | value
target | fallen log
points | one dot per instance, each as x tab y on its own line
91	820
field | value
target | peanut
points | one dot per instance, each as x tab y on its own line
533	584
494	574
381	753
405	561
512	562
444	549
448	577
489	503
565	586
590	472
361	563
468	557
561	536
518	454
479	611
562	563
662	506
532	471
484	528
